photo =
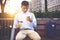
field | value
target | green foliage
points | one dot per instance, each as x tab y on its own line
53	14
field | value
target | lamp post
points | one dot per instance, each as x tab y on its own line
46	6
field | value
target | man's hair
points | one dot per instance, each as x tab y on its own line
25	3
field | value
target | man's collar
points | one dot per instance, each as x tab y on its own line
24	13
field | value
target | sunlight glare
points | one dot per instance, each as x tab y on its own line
28	0
13	6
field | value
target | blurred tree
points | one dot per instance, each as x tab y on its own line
2	3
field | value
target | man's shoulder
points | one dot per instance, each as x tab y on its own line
31	13
18	14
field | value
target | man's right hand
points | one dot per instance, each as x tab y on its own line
19	25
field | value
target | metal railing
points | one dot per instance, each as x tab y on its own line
5	28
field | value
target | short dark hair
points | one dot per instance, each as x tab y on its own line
25	3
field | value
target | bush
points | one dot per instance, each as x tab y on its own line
53	14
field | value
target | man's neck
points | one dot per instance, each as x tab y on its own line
24	12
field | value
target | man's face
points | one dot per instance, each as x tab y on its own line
24	8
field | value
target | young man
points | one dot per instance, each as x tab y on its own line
26	21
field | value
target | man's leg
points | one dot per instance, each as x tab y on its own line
34	35
20	35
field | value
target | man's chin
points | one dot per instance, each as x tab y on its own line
25	12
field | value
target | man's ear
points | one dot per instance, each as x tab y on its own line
21	6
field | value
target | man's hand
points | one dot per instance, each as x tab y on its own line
19	25
29	19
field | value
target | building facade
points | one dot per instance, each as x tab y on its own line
35	5
53	5
42	5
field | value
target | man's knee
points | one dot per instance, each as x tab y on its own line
21	37
17	38
37	38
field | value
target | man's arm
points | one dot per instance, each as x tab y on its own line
15	22
13	29
34	21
